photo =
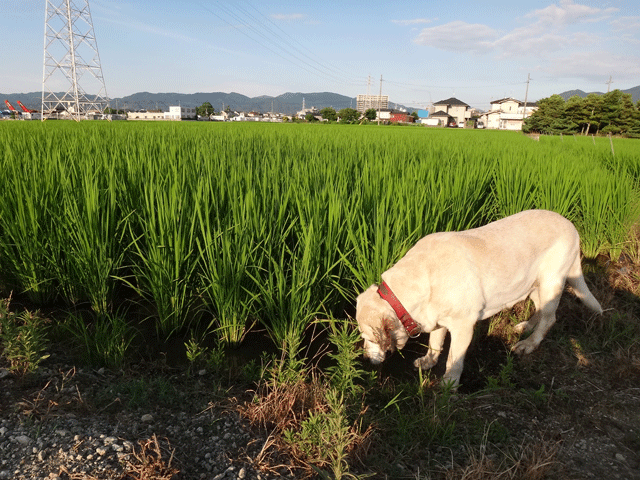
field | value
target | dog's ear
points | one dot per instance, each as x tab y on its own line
387	336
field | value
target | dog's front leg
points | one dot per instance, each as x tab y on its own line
461	335
436	340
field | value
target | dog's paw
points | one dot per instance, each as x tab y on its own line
522	327
524	347
426	362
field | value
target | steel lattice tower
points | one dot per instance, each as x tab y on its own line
71	62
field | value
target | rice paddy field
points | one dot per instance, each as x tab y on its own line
219	227
183	268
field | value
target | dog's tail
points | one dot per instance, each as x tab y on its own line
576	280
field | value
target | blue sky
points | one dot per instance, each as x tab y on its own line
426	51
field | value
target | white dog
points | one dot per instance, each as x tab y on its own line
450	280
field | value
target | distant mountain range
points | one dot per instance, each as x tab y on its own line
287	103
635	93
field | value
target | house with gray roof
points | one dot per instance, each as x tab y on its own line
455	108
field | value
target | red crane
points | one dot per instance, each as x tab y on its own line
25	108
10	106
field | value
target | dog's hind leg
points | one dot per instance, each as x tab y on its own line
576	281
549	297
436	340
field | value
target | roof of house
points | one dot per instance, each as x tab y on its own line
507	99
519	102
451	101
440	113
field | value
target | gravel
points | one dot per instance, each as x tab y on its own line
56	427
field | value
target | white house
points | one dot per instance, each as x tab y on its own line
507	114
146	115
180	113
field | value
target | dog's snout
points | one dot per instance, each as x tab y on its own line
373	352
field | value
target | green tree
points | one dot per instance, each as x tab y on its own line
593	109
205	110
575	112
611	109
349	115
548	118
329	113
629	120
309	117
371	114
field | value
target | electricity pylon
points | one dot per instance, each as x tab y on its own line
72	81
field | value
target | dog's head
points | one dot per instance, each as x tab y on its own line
379	326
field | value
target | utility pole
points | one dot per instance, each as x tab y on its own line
71	54
526	94
609	84
380	100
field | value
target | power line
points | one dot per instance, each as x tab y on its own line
291	40
274	42
426	87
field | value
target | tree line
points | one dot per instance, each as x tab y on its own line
611	113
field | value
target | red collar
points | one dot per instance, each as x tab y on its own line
410	325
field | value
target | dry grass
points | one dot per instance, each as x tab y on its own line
533	461
51	399
282	406
149	462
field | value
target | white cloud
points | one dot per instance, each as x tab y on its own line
567	13
566	40
413	21
458	36
288	16
529	40
630	24
594	66
545	32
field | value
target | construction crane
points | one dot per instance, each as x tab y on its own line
25	108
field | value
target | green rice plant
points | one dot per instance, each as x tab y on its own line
558	186
227	255
514	186
288	292
29	209
165	263
450	195
92	237
608	211
104	342
272	223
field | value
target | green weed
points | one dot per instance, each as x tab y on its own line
23	339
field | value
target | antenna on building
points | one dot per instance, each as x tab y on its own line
526	94
609	84
380	100
71	55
